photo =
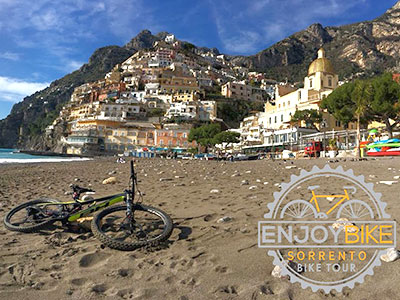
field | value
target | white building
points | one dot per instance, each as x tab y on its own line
319	83
184	110
170	38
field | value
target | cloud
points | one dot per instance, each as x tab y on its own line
73	65
13	89
10	56
244	27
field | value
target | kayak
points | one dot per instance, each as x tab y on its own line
386	143
383	153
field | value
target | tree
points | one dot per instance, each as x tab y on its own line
350	103
311	117
385	104
204	135
340	104
361	97
227	137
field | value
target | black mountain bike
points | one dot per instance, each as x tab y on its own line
123	227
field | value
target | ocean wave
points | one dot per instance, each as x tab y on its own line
39	160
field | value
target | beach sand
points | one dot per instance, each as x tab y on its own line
203	259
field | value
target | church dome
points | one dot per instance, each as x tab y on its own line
321	64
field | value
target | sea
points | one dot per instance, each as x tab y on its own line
8	156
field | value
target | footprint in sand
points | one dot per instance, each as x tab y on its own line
209	217
78	281
92	259
221	269
228	289
99	288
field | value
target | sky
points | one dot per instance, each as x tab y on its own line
43	40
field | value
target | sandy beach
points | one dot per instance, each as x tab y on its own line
203	259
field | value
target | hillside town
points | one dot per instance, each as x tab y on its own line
151	101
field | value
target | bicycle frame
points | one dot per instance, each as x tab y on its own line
315	200
128	196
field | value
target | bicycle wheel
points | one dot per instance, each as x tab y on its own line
298	209
32	216
113	228
355	209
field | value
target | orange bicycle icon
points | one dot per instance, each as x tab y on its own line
351	209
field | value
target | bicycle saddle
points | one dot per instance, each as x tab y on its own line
80	190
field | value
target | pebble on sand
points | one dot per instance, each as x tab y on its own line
224	219
387	182
391	255
110	180
165	179
253	187
277	272
342	223
214	191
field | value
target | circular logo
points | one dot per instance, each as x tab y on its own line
326	229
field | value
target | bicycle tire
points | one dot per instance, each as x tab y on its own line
129	246
33	228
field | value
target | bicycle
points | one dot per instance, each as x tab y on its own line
353	209
123	227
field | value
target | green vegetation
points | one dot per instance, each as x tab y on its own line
227	137
311	117
204	135
39	125
366	100
234	111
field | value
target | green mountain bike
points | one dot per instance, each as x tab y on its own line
123	227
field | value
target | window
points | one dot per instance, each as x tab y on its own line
276	119
281	118
329	81
270	120
311	82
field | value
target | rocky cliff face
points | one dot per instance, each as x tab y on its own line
24	125
367	47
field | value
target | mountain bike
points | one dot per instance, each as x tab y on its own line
123	227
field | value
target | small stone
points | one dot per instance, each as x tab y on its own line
165	179
244	182
224	219
277	272
344	224
69	292
266	182
214	191
235	175
387	182
258	180
248	172
112	172
391	255
110	180
253	187
396	177
76	179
